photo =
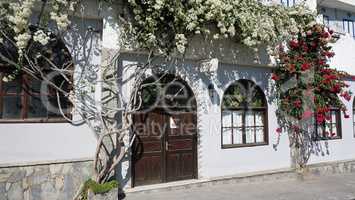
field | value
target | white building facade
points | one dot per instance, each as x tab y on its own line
56	151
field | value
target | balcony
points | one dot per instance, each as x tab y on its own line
347	5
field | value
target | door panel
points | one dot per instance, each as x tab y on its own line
147	150
165	148
181	147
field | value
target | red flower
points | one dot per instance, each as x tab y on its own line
346	96
321	62
335	89
329	54
305	66
331	32
279	130
275	77
320	118
293	44
297	103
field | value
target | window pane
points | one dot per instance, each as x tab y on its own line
35	86
250	136
320	131
260	134
11	107
227	119
237	136
259	119
328	131
13	87
227	136
36	108
249	119
54	108
237	118
334	130
334	116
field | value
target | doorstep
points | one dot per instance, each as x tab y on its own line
261	176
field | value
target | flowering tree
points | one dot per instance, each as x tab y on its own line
167	25
307	89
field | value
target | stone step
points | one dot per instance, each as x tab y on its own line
262	176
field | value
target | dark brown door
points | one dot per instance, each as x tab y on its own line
180	144
165	147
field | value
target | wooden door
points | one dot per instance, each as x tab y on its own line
148	158
165	149
180	147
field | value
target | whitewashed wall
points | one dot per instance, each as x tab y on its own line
212	159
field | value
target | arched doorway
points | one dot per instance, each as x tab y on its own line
165	148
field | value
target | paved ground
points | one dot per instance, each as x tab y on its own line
336	187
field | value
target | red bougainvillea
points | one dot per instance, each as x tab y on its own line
306	85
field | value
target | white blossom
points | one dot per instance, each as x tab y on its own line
22	41
41	37
181	42
5	79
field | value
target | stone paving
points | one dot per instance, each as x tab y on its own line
334	187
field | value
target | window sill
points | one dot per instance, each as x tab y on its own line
229	146
328	139
24	121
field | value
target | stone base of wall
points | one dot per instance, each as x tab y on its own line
58	181
61	181
115	194
329	168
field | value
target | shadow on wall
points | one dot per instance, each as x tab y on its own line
227	51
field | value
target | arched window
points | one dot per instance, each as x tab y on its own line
168	92
244	115
331	129
24	99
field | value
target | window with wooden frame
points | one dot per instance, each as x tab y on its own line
244	116
331	129
26	100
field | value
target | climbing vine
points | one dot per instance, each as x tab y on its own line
168	25
307	87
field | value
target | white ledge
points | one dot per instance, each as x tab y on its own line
47	162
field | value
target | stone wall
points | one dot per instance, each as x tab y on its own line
329	168
43	182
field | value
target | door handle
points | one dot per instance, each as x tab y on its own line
167	146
